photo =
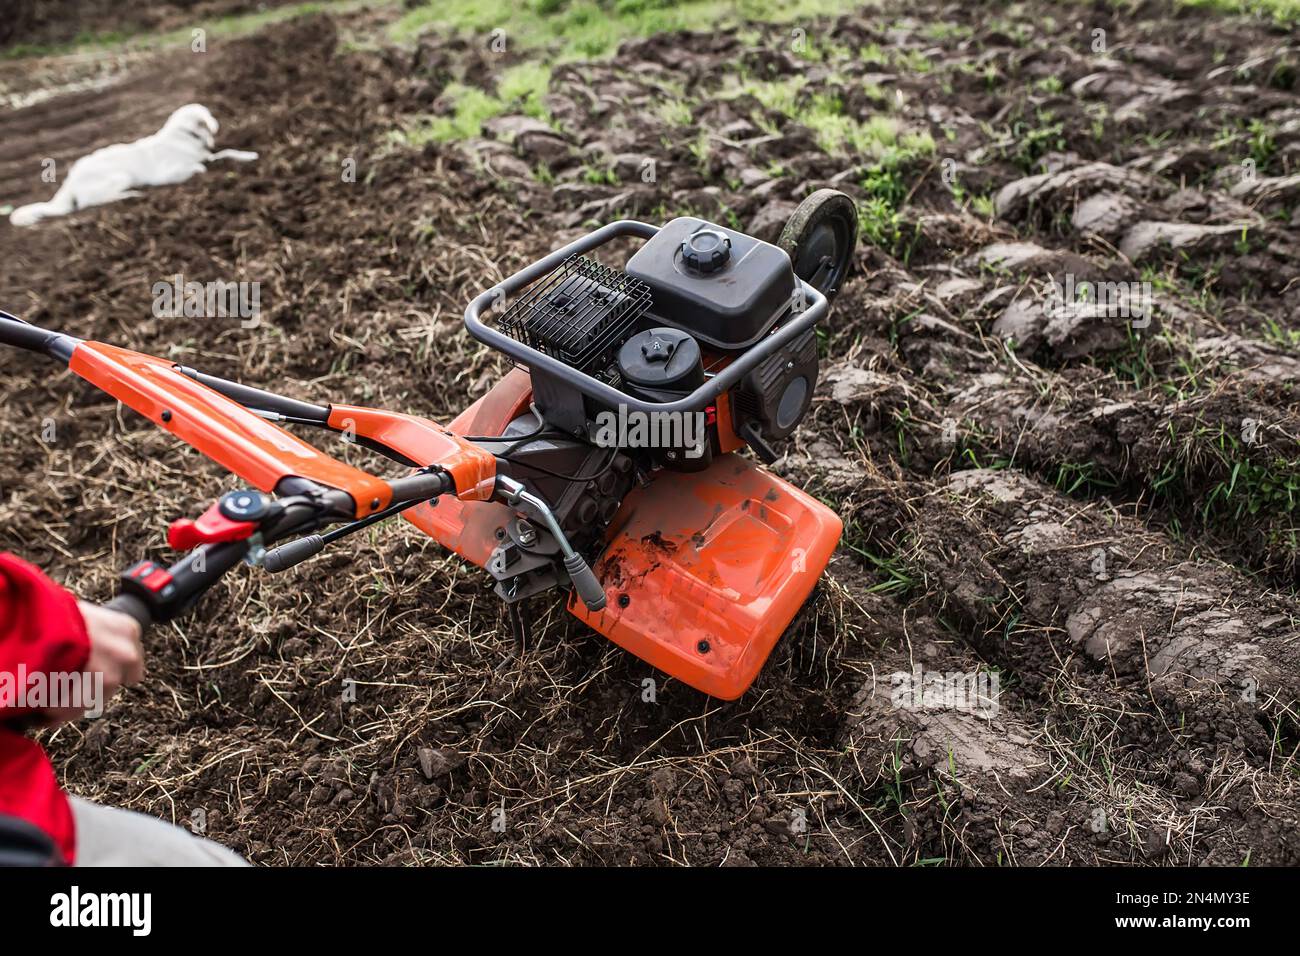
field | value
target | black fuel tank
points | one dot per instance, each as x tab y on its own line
725	288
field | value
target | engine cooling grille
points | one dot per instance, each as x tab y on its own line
578	313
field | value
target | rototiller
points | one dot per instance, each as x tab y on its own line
607	461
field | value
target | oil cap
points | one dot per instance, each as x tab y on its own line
706	251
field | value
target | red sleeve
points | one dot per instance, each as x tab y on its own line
41	627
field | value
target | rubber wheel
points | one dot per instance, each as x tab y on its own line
820	238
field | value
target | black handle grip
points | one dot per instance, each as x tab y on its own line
585	583
132	607
14	331
294	552
421	486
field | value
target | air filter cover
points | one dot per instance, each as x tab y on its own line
661	364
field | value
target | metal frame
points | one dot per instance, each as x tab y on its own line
596	389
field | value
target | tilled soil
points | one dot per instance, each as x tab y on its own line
1099	513
55	22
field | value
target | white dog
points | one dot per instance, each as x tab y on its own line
172	155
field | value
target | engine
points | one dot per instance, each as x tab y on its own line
692	299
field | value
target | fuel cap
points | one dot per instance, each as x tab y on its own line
706	251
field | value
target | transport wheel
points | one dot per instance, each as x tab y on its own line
820	238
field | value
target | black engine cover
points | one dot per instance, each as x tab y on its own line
725	288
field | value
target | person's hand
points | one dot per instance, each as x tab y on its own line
115	648
115	652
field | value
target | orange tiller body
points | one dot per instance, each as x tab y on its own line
702	571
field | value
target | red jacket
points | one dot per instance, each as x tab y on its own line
41	629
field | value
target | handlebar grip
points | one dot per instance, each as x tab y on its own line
421	486
585	583
20	334
132	607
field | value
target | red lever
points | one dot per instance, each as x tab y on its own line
210	527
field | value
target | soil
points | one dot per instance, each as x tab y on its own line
55	22
1059	501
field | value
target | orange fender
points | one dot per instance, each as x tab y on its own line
704	571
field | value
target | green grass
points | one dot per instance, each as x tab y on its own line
564	30
519	90
873	138
876	138
674	112
1082	478
473	108
1246	485
234	25
880	212
1032	139
878	142
908	61
580	29
586	29
780	96
525	84
1281	335
83	41
1283	11
880	223
895	575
